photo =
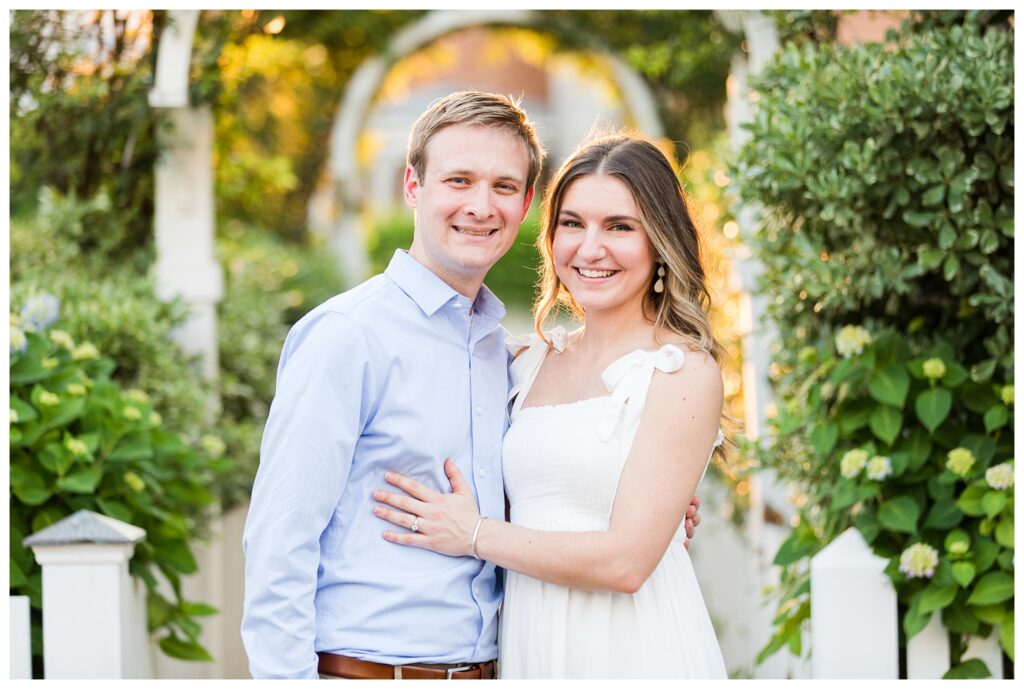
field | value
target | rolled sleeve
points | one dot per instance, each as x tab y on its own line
324	396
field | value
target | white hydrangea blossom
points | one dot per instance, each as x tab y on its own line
62	339
1000	476
934	368
18	340
919	560
960	460
879	468
852	462
851	339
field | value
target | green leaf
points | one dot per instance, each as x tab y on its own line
177	556
866	522
944	514
990	614
81	481
158	610
993	502
914	620
185	650
890	385
994	587
26	412
963	572
1004	531
899	514
1006	634
972	669
935	597
970	500
885	423
844	495
985	553
960	618
31	490
794	548
824	437
932	407
198	609
115	509
133	446
918	447
982	372
956	375
996	417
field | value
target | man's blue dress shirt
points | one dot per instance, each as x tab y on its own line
396	374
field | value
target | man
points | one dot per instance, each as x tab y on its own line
396	374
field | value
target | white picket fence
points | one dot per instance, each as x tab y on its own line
94	614
854	621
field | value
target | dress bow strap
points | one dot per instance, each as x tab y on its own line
629	378
523	369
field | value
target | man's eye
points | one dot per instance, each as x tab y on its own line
507	187
458	180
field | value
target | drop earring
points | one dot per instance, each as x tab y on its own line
659	286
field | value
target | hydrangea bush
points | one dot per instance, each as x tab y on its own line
884	175
78	440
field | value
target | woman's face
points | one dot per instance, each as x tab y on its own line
601	251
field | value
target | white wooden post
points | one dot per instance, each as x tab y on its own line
186	265
89	615
21	643
986	649
928	651
854	633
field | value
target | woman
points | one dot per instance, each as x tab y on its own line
612	429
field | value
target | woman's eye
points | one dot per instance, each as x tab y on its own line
568	222
622	228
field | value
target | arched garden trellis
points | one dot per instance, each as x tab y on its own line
186	266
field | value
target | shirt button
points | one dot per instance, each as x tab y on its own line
483	472
479	410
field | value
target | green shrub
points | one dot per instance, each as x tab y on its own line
512	278
79	440
885	181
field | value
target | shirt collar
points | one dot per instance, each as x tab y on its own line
431	292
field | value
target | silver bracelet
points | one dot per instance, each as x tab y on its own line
476	532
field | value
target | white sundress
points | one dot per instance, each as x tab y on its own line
561	466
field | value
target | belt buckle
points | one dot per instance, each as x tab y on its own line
449	671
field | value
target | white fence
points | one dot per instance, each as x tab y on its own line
95	613
854	621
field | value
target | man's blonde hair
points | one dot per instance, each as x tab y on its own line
474	108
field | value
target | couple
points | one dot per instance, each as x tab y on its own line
612	427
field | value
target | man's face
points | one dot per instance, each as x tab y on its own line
470	202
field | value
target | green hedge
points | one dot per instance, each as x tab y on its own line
884	176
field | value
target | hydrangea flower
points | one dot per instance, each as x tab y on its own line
934	368
86	350
960	460
213	445
49	362
958	547
851	339
1007	394
879	468
852	462
136	395
76	389
919	560
134	481
48	399
40	311
76	447
132	413
18	340
155	419
1000	476
14	416
62	339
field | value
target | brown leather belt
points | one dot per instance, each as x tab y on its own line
354	668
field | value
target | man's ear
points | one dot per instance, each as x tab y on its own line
411	187
526	203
